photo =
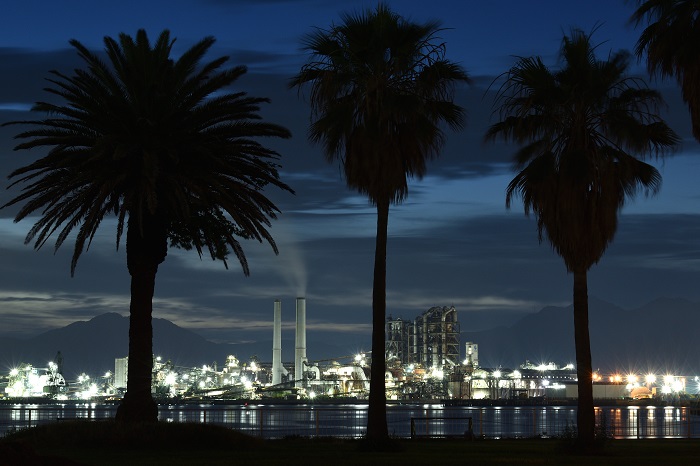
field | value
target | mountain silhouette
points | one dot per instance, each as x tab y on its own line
91	346
656	337
659	336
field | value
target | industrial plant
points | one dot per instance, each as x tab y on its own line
423	362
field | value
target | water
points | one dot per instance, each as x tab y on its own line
404	421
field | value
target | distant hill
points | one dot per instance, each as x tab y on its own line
91	346
661	335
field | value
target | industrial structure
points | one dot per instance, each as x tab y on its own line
277	343
422	359
431	339
300	359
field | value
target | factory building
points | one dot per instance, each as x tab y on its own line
121	371
430	340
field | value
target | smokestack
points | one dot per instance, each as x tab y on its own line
277	343
300	342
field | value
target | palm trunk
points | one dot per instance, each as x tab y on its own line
146	247
585	415
377	430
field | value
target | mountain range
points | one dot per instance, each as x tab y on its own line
659	336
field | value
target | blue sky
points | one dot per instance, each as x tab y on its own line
451	243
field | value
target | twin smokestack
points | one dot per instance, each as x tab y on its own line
299	342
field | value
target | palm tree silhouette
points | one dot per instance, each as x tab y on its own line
380	88
161	145
580	128
670	41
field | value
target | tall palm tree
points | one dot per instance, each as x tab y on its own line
160	144
580	128
670	41
380	89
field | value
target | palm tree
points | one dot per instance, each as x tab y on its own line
670	41
580	128
380	88
159	144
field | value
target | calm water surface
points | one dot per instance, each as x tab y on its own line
349	420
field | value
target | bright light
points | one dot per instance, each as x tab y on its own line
569	366
596	377
108	375
170	379
37	382
632	378
668	379
497	374
90	392
14	372
545	383
650	379
516	374
312	395
678	385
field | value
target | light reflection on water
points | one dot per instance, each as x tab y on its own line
434	420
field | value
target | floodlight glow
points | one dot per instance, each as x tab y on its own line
170	379
678	385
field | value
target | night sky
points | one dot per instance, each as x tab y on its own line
452	242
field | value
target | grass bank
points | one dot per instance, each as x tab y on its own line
108	443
